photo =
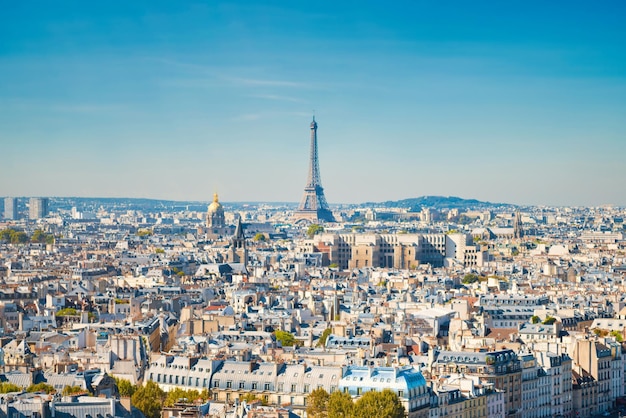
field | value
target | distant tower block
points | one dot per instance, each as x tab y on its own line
10	208
38	207
313	207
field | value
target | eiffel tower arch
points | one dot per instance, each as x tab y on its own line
313	206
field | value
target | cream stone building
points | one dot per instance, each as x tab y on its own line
399	251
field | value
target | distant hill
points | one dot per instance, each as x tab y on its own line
416	204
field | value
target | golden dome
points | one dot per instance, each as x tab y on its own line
216	205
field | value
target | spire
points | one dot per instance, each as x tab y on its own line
518	229
238	252
239	231
215	199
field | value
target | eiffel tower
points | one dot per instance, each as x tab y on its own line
313	207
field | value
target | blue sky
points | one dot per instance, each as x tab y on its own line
519	102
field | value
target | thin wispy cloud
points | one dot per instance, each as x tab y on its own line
267	83
246	116
277	98
206	75
235	82
267	115
189	82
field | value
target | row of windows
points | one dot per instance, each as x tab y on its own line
267	386
359	391
254	372
242	385
174	366
179	380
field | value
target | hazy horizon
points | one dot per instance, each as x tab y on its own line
517	102
294	203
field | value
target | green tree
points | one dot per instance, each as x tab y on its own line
314	229
67	312
379	404
125	388
259	237
92	317
178	395
251	397
149	399
601	332
38	236
549	320
50	239
5	235
144	233
324	337
205	395
285	338
470	278
159	251
317	404
617	335
535	319
13	236
333	265
340	405
19	237
41	387
8	387
72	390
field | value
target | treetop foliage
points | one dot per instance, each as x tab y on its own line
8	387
13	236
149	399
72	390
41	387
124	387
285	338
322	341
340	405
314	229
